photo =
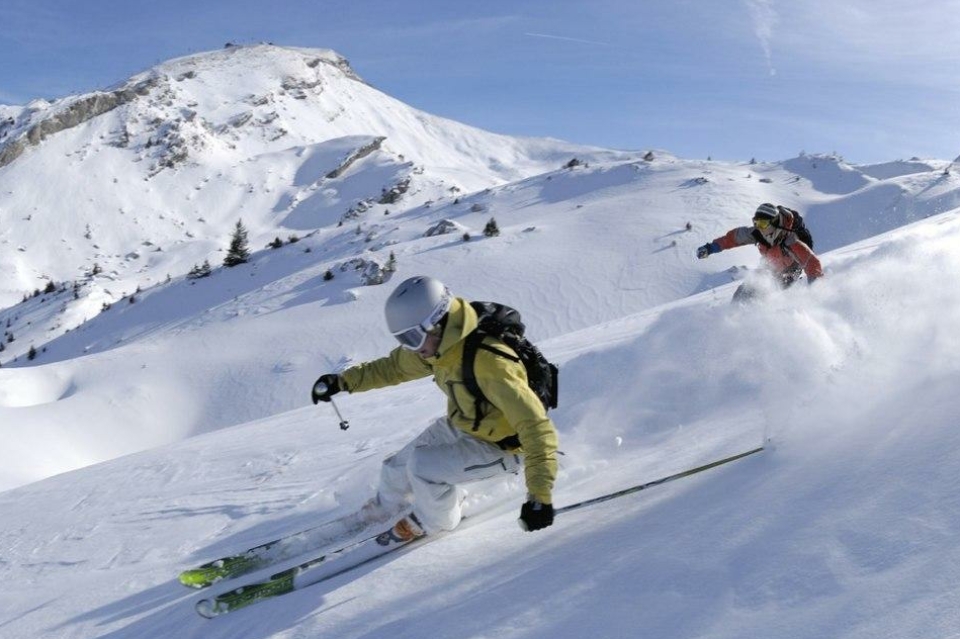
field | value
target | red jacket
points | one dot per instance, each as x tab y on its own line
783	255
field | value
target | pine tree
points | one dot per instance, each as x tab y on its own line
239	252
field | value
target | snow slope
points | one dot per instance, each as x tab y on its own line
847	528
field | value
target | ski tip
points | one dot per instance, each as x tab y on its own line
208	608
195	579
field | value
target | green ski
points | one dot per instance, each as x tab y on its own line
272	552
317	569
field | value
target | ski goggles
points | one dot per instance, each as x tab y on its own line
762	222
412	338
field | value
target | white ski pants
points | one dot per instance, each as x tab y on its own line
425	473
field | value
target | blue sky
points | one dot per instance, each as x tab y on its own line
872	80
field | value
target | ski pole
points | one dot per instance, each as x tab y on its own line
320	388
656	482
344	424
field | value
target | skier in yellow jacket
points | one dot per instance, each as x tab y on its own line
513	433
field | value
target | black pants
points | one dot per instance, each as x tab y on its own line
785	279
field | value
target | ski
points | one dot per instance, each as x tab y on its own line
656	482
312	571
331	564
272	552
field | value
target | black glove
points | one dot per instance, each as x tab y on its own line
534	515
325	388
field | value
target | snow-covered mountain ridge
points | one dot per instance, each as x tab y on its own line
145	179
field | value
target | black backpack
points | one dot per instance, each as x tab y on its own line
502	322
799	227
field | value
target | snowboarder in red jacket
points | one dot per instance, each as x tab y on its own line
774	231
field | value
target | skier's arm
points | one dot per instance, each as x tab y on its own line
401	365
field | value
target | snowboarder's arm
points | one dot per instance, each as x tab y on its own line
740	236
807	259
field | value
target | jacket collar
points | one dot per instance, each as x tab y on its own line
461	321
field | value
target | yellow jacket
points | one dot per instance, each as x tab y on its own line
513	410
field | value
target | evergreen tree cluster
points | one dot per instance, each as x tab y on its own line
203	270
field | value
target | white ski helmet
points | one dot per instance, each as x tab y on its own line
415	308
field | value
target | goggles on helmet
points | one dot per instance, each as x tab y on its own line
762	222
412	338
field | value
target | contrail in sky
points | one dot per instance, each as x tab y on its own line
556	37
764	19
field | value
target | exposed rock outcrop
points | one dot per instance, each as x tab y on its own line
360	153
81	110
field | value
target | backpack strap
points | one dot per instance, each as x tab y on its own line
759	238
472	343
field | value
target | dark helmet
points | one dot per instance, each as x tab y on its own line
766	211
767	220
